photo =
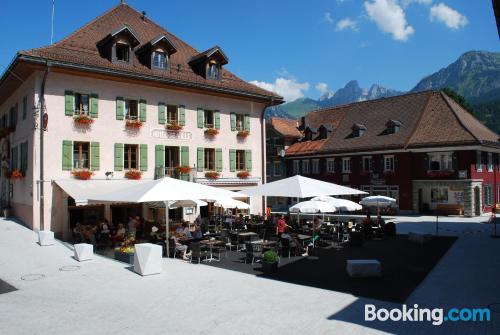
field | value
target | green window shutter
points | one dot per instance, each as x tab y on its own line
159	160
94	105
185	156
182	115
248	160
118	156
233	121
120	108
67	155
201	117
142	110
161	113
247	122
69	103
232	160
94	156
218	159
217	119
200	159
143	152
14	158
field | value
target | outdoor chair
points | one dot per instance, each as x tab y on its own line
197	252
233	242
286	247
254	252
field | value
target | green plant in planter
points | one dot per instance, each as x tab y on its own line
270	256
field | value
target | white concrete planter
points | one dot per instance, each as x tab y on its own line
45	237
147	259
362	268
84	251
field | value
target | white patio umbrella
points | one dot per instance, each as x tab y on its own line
166	190
377	200
299	187
341	204
313	207
231	203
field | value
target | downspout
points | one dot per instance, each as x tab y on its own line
42	129
263	150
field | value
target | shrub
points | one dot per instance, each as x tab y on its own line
270	256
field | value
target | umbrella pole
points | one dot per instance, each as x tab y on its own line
167	229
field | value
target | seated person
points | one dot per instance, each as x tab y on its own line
197	233
295	243
89	234
180	247
78	232
380	221
119	235
367	224
186	231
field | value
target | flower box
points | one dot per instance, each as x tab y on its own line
133	174
174	126
211	131
389	173
125	257
243	174
439	173
212	175
83	120
183	169
82	174
243	133
365	173
16	174
133	124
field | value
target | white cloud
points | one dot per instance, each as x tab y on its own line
321	87
328	17
450	17
406	3
288	88
389	18
347	23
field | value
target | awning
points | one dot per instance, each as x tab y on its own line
82	190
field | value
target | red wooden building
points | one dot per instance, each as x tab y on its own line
423	149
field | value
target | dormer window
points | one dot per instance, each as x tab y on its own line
160	59
213	70
358	130
324	131
122	52
393	127
309	133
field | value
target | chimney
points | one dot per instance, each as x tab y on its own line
143	15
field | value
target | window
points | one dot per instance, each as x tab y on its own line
479	161
209	159
277	168
213	70
122	52
25	107
131	109
346	165
160	59
268	169
488	195
240	160
490	162
240	122
367	163
13	116
440	161
209	119
315	166
130	156
439	194
172	114
81	104
81	155
330	165
296	167
388	163
305	166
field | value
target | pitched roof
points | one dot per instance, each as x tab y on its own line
427	119
496	9
286	127
80	48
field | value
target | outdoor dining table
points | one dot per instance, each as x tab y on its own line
211	244
303	238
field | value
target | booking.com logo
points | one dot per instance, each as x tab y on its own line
436	315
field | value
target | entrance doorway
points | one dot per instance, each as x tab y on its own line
171	161
477	201
420	200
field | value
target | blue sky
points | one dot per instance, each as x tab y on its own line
296	47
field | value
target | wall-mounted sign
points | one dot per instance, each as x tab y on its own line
462	174
171	134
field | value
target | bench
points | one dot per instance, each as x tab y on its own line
450	209
45	237
419	238
84	251
364	268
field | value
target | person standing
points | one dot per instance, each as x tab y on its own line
281	226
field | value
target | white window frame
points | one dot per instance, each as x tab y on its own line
346	165
330	165
296	167
488	195
305	166
367	168
479	161
445	160
277	171
315	166
490	162
392	167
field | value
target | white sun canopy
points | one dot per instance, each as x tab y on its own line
313	207
231	203
300	187
341	204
